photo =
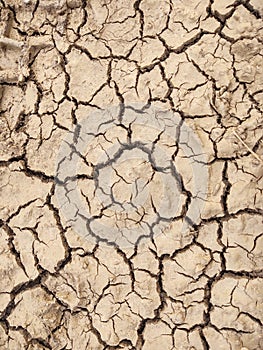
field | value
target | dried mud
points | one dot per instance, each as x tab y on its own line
135	273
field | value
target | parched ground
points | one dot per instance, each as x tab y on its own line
131	174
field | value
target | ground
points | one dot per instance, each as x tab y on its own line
131	174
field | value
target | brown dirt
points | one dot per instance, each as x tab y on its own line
131	174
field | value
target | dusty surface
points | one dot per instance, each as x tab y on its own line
129	269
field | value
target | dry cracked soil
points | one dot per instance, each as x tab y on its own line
131	174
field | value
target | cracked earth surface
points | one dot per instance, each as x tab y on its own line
128	107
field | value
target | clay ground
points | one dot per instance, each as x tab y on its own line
112	112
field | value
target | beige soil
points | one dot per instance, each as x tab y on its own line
147	275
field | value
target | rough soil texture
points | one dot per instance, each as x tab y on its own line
129	274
